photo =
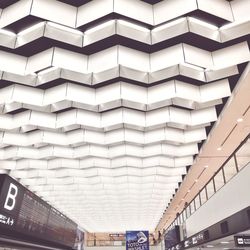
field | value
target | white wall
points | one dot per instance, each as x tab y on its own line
230	199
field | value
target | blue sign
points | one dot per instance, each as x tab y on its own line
137	240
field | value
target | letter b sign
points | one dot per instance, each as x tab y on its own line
10	201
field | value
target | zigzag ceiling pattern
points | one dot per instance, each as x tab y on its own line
103	103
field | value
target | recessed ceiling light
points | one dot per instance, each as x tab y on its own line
206	166
182	199
240	120
196	180
224	242
210	246
219	148
188	190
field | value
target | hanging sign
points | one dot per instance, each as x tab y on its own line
137	240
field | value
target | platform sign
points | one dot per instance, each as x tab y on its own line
137	240
23	212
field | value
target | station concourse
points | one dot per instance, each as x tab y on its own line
124	124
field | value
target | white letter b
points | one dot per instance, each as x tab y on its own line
11	197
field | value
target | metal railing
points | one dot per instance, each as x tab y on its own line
237	161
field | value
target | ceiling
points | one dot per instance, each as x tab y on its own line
227	134
103	109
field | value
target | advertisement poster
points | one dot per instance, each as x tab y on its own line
137	240
79	242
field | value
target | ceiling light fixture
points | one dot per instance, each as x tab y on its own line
240	119
169	24
31	28
204	24
7	32
132	25
219	148
65	28
100	26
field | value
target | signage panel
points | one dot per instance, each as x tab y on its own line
172	237
21	211
33	215
116	235
242	240
137	240
194	240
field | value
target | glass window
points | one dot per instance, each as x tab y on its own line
219	180
178	220
230	169
210	189
243	155
188	211
203	196
192	207
184	215
197	202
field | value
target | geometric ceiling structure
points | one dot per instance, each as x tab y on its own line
104	103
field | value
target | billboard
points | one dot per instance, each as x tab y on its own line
137	240
79	241
172	237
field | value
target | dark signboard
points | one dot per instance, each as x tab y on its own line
33	214
237	222
195	240
177	247
242	240
23	212
172	237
